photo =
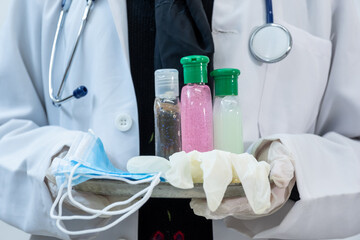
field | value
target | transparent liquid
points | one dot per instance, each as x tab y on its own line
167	126
196	118
228	131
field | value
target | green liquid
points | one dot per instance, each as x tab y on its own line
228	132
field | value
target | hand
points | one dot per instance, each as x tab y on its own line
282	181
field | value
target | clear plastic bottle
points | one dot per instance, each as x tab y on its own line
196	106
167	113
228	132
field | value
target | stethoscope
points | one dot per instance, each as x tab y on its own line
269	43
81	91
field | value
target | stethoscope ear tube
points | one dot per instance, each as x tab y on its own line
82	90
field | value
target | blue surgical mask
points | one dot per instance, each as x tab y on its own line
86	159
89	153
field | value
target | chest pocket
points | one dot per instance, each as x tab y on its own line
294	87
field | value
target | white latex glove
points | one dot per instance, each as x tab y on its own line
281	176
149	164
216	170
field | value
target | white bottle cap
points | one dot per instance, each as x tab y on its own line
166	83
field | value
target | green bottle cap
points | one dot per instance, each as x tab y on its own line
225	81
195	68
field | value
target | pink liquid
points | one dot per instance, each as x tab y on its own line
196	118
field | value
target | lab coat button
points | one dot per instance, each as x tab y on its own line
123	122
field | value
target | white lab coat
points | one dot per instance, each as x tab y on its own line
310	99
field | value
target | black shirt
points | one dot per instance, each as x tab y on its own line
164	218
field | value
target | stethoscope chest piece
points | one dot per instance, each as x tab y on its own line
270	43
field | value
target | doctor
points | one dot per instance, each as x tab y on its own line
310	99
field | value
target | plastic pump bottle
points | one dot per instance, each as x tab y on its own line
228	132
167	113
196	106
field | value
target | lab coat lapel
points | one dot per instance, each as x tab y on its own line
119	13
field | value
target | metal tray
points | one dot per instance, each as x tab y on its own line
162	190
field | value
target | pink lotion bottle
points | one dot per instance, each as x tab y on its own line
196	106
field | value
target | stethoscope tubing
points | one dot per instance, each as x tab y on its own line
269	11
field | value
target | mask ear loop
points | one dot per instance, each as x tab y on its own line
59	198
97	212
128	211
101	212
104	210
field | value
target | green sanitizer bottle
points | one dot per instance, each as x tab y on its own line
227	116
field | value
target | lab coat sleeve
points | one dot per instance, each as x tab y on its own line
26	143
327	164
